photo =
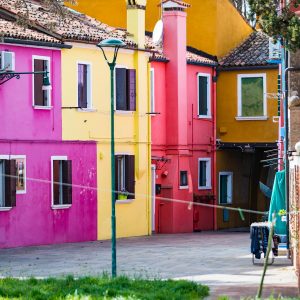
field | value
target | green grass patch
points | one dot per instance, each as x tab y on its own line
90	288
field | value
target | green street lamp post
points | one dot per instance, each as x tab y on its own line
116	44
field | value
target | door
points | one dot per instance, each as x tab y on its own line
153	184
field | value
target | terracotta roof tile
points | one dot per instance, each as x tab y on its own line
73	26
13	30
254	51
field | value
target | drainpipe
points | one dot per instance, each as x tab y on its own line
286	150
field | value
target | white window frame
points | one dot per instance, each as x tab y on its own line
25	176
229	187
152	91
208	173
48	59
184	187
53	206
89	87
239	91
208	76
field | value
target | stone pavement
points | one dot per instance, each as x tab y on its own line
218	259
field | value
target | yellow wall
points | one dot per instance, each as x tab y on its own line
132	218
213	26
227	110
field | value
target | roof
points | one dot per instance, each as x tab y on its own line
70	26
15	31
254	51
178	2
193	56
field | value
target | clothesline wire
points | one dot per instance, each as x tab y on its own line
189	204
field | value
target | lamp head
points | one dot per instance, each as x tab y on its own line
46	82
112	43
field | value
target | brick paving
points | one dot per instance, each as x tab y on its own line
220	260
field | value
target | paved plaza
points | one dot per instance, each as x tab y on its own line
220	260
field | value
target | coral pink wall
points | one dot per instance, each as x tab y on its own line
18	118
33	221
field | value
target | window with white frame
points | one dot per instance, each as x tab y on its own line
183	180
61	181
125	177
152	90
20	173
225	187
7	183
125	86
252	98
204	173
41	96
204	101
84	85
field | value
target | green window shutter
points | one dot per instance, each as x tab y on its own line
223	189
203	93
252	96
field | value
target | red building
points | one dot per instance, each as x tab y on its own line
183	129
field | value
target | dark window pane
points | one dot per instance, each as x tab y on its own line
252	97
82	86
67	181
121	89
183	178
202	173
203	92
40	96
10	182
223	189
56	182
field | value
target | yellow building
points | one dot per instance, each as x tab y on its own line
86	116
214	26
246	129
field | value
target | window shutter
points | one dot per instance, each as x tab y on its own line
131	89
56	184
223	188
38	82
203	92
130	176
116	176
10	182
121	88
67	179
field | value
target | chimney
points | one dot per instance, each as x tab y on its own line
174	47
136	21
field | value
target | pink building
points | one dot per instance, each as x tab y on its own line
47	186
183	129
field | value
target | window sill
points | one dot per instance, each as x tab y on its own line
124	112
262	118
5	208
42	107
20	192
86	110
185	187
201	188
225	204
128	201
205	117
61	206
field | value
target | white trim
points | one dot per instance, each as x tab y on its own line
5	208
128	201
53	158
208	76
183	187
4	156
64	206
230	187
208	173
85	110
251	118
25	173
48	59
89	87
152	91
42	107
239	91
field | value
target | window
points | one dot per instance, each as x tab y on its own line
252	99
183	179
125	89
204	173
41	97
225	187
125	177
7	183
204	87
20	173
152	91
61	181
84	85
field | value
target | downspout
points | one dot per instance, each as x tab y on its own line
286	150
215	78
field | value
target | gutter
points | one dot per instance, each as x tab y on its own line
227	69
36	43
201	64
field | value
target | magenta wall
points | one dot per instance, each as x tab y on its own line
18	118
33	221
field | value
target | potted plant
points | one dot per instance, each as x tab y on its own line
123	195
